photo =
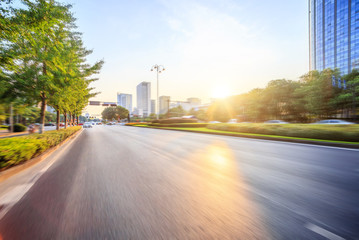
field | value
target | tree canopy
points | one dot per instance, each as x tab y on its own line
43	59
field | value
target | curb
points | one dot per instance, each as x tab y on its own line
19	168
331	144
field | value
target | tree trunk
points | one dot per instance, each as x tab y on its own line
77	120
73	120
42	114
57	119
65	116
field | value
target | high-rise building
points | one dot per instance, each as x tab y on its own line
144	99
194	101
153	106
334	34
125	100
164	104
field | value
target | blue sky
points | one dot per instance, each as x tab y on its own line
204	45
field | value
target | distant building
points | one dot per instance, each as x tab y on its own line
153	106
125	100
164	104
194	101
187	105
144	99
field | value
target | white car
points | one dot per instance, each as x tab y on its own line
276	122
232	120
333	121
87	125
214	122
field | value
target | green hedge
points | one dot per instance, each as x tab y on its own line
349	133
18	127
179	120
179	125
18	149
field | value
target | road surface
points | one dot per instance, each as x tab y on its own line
117	182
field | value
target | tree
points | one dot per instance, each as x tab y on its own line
114	113
319	93
221	111
176	111
349	97
43	59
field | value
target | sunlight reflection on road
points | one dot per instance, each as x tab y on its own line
220	201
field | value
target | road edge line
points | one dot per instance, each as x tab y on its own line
33	161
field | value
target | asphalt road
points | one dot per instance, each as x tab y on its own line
117	182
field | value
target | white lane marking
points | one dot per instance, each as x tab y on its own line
11	197
323	232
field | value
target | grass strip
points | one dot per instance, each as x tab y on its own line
206	130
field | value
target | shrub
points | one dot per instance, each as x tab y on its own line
135	123
180	125
18	149
18	127
175	120
343	132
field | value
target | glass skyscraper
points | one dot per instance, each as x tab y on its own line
334	34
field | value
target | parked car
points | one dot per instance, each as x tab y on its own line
214	122
276	122
49	124
333	121
232	120
87	125
99	123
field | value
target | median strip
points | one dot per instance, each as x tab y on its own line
28	150
206	130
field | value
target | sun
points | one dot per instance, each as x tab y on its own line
220	91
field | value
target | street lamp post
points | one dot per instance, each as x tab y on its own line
158	69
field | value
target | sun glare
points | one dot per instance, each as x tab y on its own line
220	91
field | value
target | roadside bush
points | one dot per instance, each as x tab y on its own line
343	132
180	125
135	123
19	149
18	127
179	120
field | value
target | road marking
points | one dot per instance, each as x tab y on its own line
323	232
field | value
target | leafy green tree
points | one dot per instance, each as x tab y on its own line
320	95
348	98
221	111
114	113
200	114
176	111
